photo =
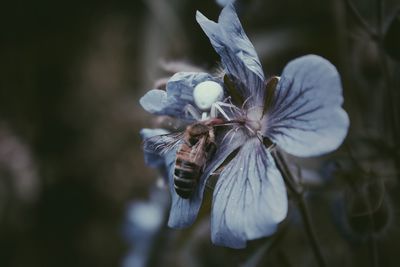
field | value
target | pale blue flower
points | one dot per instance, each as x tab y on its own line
223	3
303	117
143	222
153	159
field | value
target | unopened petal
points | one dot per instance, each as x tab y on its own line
178	94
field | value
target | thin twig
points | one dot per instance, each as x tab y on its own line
304	211
286	173
372	246
379	22
310	230
363	23
388	79
373	251
371	238
269	244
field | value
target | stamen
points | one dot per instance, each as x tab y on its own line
245	102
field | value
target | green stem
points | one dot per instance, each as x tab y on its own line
310	231
304	210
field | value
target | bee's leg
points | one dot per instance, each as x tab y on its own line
192	111
211	147
211	135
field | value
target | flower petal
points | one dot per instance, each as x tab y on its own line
306	118
184	211
179	93
224	2
249	199
152	158
237	53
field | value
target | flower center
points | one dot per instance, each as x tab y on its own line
254	125
253	122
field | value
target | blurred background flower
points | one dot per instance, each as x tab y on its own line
143	221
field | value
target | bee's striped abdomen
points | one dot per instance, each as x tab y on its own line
185	178
186	173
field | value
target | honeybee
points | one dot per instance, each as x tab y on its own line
195	146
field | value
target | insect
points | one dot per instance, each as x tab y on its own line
196	145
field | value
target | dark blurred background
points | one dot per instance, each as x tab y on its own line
71	75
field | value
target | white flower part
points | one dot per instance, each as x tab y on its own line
146	216
206	93
224	2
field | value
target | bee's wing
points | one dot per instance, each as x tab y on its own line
162	144
198	151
